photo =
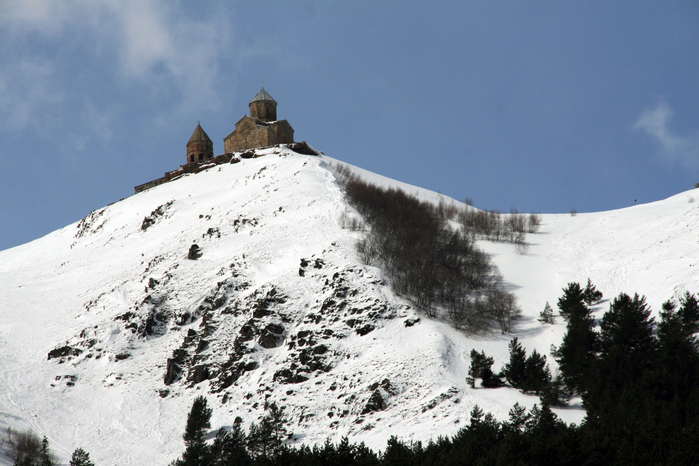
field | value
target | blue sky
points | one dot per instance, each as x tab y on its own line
541	106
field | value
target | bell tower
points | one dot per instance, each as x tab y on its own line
200	147
263	106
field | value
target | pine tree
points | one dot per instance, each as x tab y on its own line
576	355
198	422
228	448
514	369
546	316
689	313
555	393
45	455
267	437
81	458
572	303
518	417
591	294
536	374
479	363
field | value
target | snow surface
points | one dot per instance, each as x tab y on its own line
71	285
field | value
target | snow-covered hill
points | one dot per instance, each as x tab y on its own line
279	308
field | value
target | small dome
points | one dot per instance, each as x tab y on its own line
263	95
200	136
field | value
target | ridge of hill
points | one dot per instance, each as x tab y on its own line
108	330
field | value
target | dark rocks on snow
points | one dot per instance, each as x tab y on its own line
271	336
375	403
64	351
194	252
411	322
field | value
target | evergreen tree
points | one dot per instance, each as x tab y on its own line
536	374
45	457
515	368
518	417
546	316
397	453
689	313
591	294
228	448
196	451
627	358
627	327
572	303
267	437
480	369
81	458
577	354
555	393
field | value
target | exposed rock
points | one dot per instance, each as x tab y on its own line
194	252
64	351
375	403
198	374
411	322
271	336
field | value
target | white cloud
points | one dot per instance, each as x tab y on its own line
158	48
681	149
26	90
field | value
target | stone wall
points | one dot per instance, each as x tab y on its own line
251	133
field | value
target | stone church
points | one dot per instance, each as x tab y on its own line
261	128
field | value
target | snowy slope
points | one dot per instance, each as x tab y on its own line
278	308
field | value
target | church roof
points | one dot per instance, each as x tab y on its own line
263	95
200	135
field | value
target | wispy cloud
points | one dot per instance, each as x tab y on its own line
159	49
656	123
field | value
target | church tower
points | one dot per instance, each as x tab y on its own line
200	147
263	106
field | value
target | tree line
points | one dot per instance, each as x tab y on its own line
427	260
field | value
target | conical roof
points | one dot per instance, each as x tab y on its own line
199	135
263	95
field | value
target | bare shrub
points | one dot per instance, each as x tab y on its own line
434	267
515	224
349	221
24	447
344	218
534	222
367	250
521	245
447	211
573	212
504	308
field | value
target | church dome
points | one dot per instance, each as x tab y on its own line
200	136
263	95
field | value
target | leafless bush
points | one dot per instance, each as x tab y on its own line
435	268
447	211
534	222
23	447
521	245
367	250
481	223
515	224
573	212
350	222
